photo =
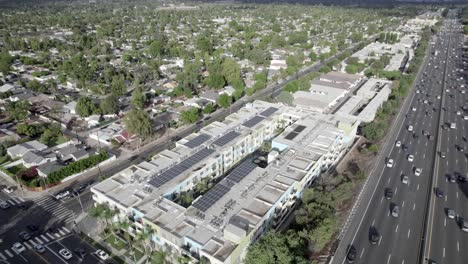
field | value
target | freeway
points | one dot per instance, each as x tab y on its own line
413	144
446	242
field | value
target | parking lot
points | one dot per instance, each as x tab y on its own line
72	242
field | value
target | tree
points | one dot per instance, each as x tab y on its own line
51	134
224	100
85	106
110	105
5	62
271	248
28	130
190	116
138	98
118	86
18	110
232	73
209	108
137	121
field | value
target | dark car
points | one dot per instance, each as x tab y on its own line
439	193
404	147
451	178
80	189
461	178
374	236
351	256
388	193
32	227
461	148
80	252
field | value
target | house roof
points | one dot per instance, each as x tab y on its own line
33	157
49	167
21	149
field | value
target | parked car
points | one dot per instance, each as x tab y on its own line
395	211
62	195
65	253
4	205
39	248
102	254
18	248
8	189
24	235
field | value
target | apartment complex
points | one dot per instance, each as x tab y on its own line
243	199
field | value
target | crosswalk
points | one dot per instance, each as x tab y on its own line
41	239
15	201
55	208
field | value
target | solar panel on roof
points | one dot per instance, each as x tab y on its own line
226	138
180	168
211	197
253	121
197	141
299	128
269	111
291	135
239	173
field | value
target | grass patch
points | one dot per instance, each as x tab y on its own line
16	169
115	242
60	140
4	159
138	254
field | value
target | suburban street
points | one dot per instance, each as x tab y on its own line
420	138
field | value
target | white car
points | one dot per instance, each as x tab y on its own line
62	195
65	253
8	189
390	163
417	171
414	109
18	248
458	113
398	144
465	117
102	254
410	158
404	179
410	128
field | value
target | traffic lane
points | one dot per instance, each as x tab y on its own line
33	256
74	242
54	256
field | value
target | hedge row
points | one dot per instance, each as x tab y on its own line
76	167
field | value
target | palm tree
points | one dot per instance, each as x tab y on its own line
102	213
125	225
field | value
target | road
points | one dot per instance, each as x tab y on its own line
446	242
400	238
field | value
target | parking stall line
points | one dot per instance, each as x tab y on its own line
2	256
50	236
56	235
18	201
66	229
33	243
11	202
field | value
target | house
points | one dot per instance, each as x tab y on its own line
229	90
45	169
125	137
6	87
36	158
19	150
70	108
193	102
20	94
278	65
106	134
211	96
93	120
7	135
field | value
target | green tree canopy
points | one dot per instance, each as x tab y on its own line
138	98
137	121
224	100
110	105
190	116
18	110
118	86
85	106
5	62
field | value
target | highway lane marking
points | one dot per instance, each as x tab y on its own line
443	253
362	252
414	206
380	240
458	246
373	222
388	259
445	221
388	180
417	188
403	205
409	232
381	200
396	190
403	262
446	198
396	229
